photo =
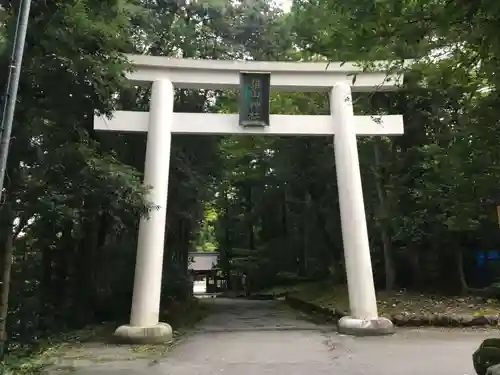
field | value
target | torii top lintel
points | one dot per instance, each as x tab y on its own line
285	76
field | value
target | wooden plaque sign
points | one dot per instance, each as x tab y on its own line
254	99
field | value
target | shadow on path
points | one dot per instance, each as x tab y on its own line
240	315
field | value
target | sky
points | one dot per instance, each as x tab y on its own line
286	4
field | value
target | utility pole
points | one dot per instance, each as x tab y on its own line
9	107
10	97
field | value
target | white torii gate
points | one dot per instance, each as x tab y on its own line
161	122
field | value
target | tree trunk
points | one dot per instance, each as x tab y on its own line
416	269
390	272
284	215
186	236
47	292
464	287
286	232
6	254
227	244
249	217
306	225
60	287
84	272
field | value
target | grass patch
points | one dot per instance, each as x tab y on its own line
29	361
333	296
92	344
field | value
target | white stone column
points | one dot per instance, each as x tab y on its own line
144	320
363	319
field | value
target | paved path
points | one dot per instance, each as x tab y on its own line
265	337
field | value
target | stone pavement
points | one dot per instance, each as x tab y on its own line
265	337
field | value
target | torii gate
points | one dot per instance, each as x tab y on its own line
161	122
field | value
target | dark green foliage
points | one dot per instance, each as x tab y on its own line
493	291
488	354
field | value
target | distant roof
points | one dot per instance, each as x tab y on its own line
200	261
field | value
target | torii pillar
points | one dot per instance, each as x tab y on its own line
363	319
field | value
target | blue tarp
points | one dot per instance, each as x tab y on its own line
483	274
491	254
